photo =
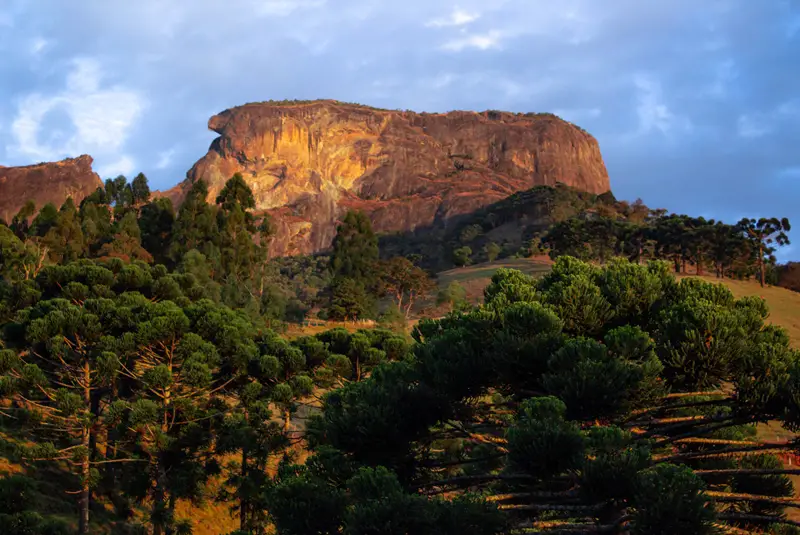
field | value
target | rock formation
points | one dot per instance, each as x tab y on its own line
46	182
309	162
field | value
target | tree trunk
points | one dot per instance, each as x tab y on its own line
83	523
157	482
170	528
243	499
409	305
358	369
287	421
761	264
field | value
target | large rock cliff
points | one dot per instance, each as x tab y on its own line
307	163
46	182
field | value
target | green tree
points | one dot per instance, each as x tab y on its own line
140	190
17	514
126	244
350	301
355	249
453	295
20	223
404	282
462	256
195	225
62	377
237	228
765	235
96	225
65	238
43	222
181	359
492	251
156	220
591	397
118	193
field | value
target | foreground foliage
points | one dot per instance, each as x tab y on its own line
595	400
138	383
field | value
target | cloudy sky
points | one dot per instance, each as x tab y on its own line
696	105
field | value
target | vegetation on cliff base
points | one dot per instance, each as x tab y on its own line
139	369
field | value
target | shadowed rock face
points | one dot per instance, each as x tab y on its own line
46	182
308	163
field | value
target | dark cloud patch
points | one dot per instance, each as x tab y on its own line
695	105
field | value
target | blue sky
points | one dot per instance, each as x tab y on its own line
696	105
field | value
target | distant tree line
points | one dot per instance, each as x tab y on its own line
742	250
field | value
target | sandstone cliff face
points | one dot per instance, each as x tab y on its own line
308	163
46	182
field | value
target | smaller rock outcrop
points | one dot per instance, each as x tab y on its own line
46	182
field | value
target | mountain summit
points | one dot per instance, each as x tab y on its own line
308	162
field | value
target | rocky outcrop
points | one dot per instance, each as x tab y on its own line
309	162
46	182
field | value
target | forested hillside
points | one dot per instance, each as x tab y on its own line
144	375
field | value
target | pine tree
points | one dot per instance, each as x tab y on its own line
20	223
140	190
610	399
65	238
96	225
156	220
355	249
762	234
195	225
44	220
126	243
62	377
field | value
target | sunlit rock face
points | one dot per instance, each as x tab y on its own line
309	162
46	182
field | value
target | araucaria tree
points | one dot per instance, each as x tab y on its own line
122	371
595	400
765	235
354	266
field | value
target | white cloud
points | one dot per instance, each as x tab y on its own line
165	158
725	74
38	45
480	41
458	17
753	126
652	111
98	119
283	8
123	166
576	115
791	107
759	124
